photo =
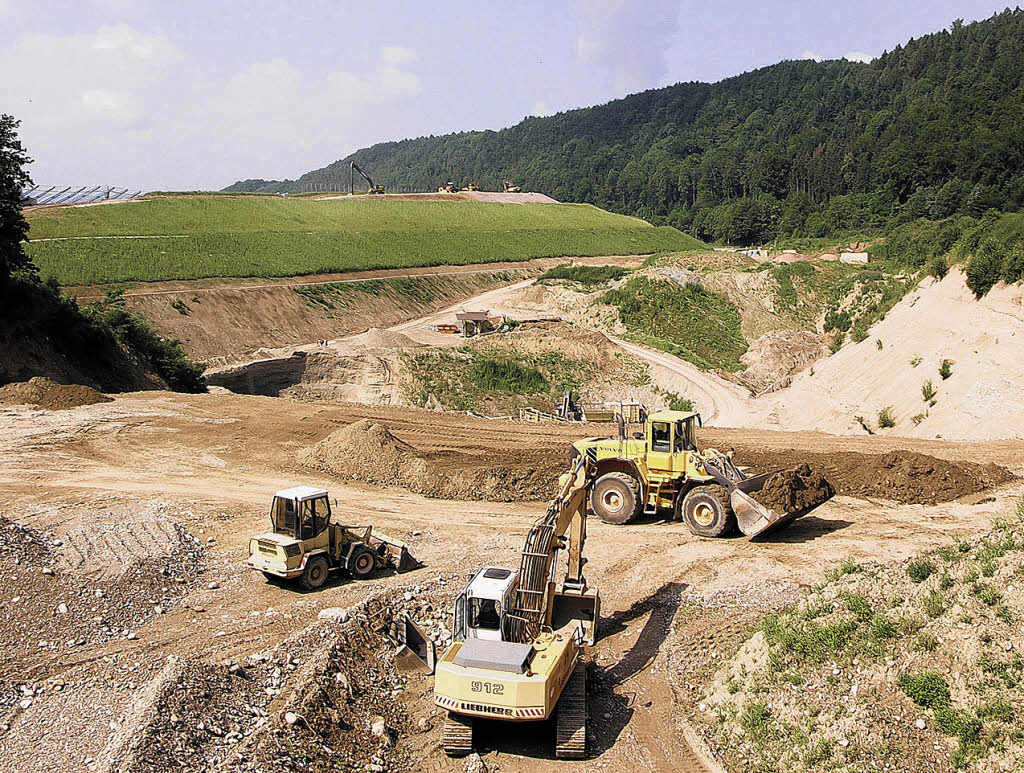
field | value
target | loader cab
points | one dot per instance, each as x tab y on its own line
671	435
481	609
301	512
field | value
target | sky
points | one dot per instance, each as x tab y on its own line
195	94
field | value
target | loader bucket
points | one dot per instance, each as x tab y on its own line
392	552
415	653
753	518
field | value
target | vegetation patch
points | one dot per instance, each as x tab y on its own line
870	670
588	276
691	322
197	237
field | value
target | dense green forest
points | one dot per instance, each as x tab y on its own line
931	129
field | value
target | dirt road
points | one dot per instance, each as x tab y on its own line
208	464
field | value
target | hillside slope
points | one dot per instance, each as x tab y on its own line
193	237
982	341
933	127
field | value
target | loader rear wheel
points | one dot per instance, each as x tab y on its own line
315	574
708	511
571	719
457	735
362	562
616	498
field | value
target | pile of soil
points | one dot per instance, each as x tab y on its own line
385	339
50	395
798	489
906	477
369	453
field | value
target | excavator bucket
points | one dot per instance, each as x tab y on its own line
392	552
753	518
415	652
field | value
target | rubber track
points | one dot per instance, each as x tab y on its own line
457	735
571	719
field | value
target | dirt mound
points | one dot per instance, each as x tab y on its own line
798	489
369	453
906	477
385	339
366	452
44	393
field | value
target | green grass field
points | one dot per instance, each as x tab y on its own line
198	237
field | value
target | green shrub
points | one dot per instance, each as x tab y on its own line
934	604
858	604
915	361
998	709
756	720
946	369
885	418
927	642
920	569
837	341
505	375
927	689
882	628
927	390
938	267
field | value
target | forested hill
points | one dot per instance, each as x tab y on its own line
930	129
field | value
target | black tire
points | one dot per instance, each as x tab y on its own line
361	562
615	498
707	511
315	574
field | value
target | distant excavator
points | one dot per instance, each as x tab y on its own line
508	187
372	189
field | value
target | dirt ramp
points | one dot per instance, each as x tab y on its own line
49	395
378	338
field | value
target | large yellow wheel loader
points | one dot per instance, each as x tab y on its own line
304	545
519	635
662	468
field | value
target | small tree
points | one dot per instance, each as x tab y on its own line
13	178
946	369
927	390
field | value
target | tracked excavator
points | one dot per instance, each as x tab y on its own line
519	634
372	189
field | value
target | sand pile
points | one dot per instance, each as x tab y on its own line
369	453
798	489
47	394
366	452
379	338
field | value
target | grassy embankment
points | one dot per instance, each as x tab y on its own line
912	666
197	237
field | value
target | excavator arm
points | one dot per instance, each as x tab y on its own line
352	169
538	603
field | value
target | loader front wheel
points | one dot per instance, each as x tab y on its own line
616	498
362	562
315	574
707	511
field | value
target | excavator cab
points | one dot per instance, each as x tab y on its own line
480	610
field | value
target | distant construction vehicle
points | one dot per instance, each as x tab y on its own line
662	467
304	545
448	187
518	635
508	187
471	187
372	189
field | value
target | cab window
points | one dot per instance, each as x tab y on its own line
678	439
661	436
485	613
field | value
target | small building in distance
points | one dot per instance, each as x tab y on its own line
473	323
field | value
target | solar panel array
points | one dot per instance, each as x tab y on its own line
55	194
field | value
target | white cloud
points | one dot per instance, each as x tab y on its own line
121	106
627	40
858	56
812	55
397	55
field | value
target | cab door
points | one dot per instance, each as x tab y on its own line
659	447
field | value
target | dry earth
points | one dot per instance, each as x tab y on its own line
203	658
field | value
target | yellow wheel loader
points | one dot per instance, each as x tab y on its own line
661	467
518	636
304	545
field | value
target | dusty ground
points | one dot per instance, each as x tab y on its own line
168	488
